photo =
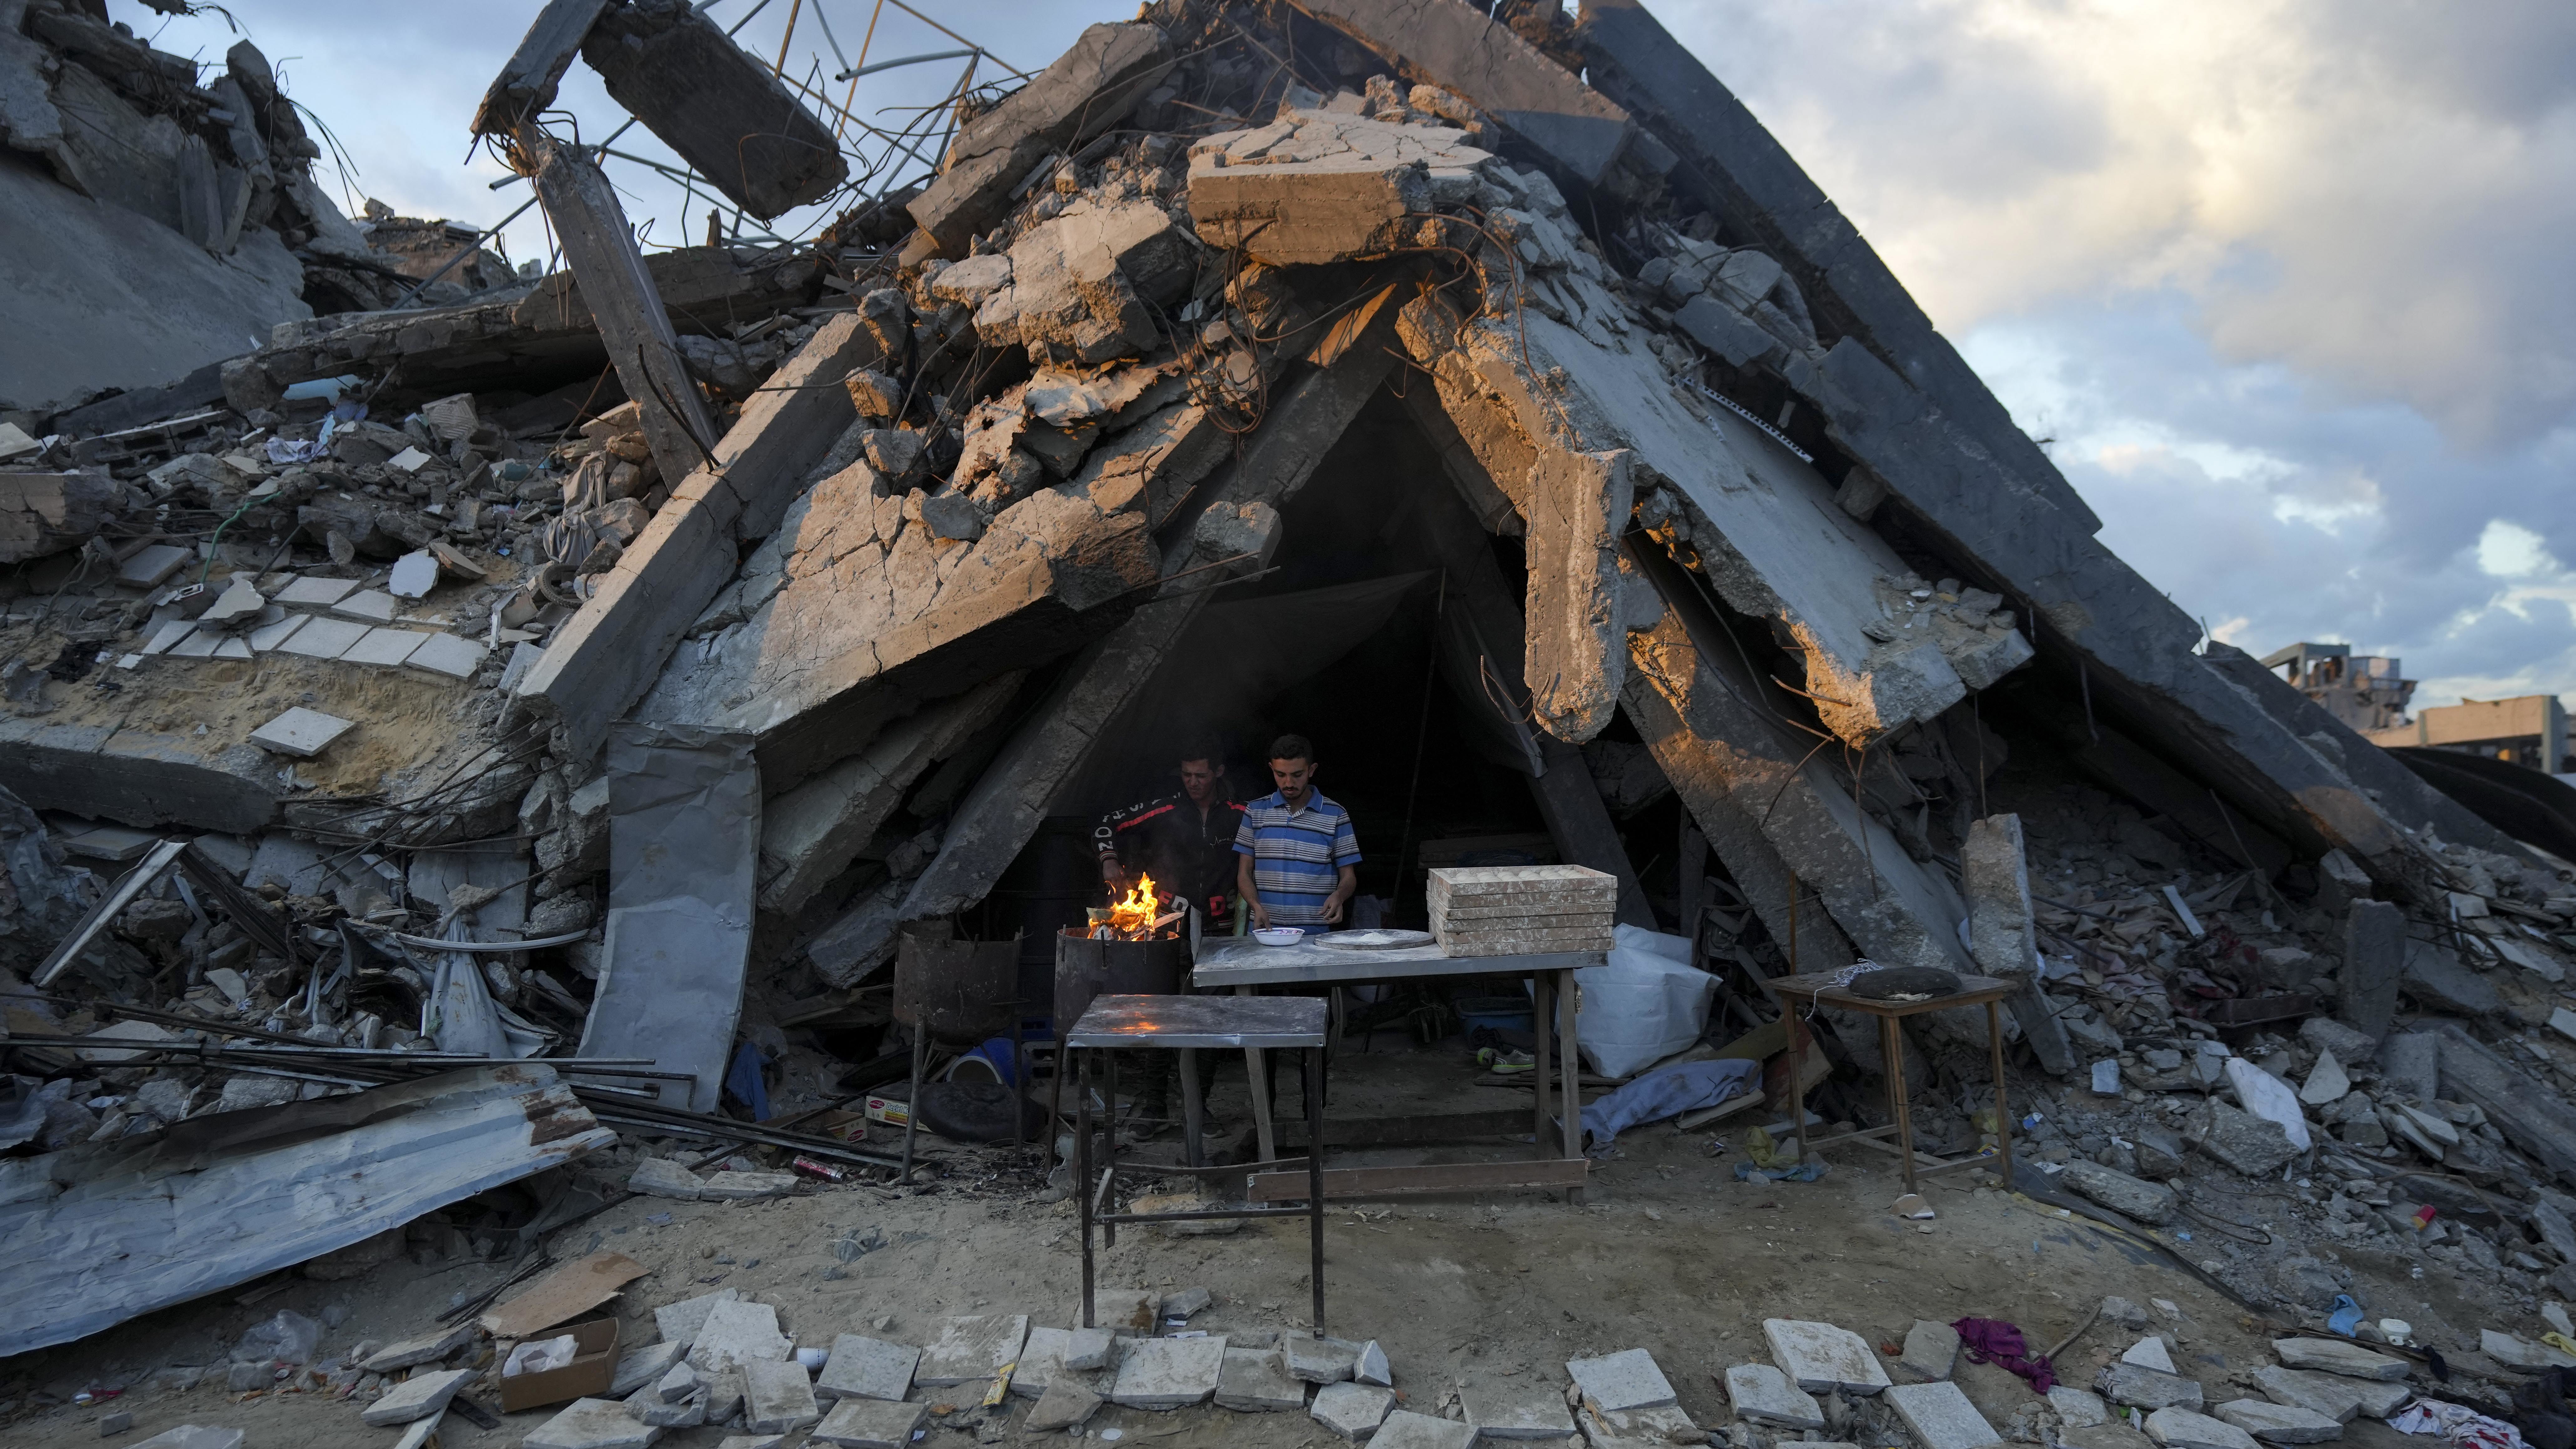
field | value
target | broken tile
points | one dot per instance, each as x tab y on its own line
1351	1410
648	1407
266	638
1187	1304
416	1397
1065	1405
2078	1408
1168	1373
1625	1380
1041	1361
1931	1351
300	732
2332	1395
428	1348
410	460
1653	1428
1762	1394
1940	1416
1320	1360
308	592
2279	1423
1405	1429
2150	1352
738	1332
414	575
1128	1310
385	648
974	1347
1088	1348
641	1366
2183	1429
778	1397
1512	1409
592	1424
678	1384
448	656
151	564
367	606
168	635
751	1441
1371	1366
192	1436
866	1368
1257	1381
1822	1358
870	1424
419	1432
323	639
2146	1388
2335	1356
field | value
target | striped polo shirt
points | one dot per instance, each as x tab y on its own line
1296	854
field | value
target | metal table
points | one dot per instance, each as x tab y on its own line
1245	964
1187	1024
1819	989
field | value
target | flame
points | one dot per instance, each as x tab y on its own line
1132	916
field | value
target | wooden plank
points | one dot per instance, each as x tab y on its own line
1410	1131
600	248
1357	1182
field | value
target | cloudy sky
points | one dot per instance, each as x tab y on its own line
2288	282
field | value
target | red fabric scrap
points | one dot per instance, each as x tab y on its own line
1992	1340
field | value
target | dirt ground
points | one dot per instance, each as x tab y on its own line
1670	1253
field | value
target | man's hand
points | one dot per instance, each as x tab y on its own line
1333	908
1260	915
1114	876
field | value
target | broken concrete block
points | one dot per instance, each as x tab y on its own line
678	1384
1405	1429
1940	1416
2146	1388
640	1366
1168	1373
1256	1381
417	1397
726	114
736	1333
1619	1381
2279	1423
1320	1360
2078	1408
1371	1366
1066	1404
414	575
746	1186
778	1397
1763	1394
2251	1145
1353	1411
2184	1429
974	1347
1041	1361
1089	89
152	565
2150	1352
1074	295
2329	1395
1088	1348
1511	1410
1820	1358
1315	187
428	1348
661	1177
1931	1351
193	1436
866	1368
301	733
592	1424
1577	633
2147	1202
1186	1304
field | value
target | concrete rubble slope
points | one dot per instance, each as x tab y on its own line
169	1214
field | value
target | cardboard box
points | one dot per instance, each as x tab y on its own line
893	1111
593	1368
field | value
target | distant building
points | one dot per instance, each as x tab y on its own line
2364	692
2530	731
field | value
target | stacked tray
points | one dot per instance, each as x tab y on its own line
1522	910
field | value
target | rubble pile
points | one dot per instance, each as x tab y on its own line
610	667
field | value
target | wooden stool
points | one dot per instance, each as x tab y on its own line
1189	1024
1819	989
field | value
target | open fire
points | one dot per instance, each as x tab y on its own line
1136	916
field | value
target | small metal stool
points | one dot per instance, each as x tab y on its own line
1187	1024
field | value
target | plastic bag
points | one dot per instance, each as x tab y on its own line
1646	1003
290	1337
2270	1098
543	1355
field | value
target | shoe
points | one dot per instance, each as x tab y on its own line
1505	1061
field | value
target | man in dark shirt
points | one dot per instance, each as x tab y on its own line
1184	840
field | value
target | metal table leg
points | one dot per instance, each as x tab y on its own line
2003	1111
1891	1043
1569	999
1542	1128
1256	1073
1315	1179
1082	1170
1193	1109
912	1104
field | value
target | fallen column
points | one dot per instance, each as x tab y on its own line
1995	872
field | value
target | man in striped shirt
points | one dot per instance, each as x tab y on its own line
1295	848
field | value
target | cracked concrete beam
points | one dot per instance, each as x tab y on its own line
1575	644
605	658
1457	48
709	100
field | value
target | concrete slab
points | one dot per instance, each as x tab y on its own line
367	606
1511	1410
307	592
1041	1361
266	638
2150	1352
866	1368
428	1348
1620	1381
168	636
323	639
300	732
2279	1423
1763	1394
1654	1428
592	1424
975	1347
417	1397
641	1366
1940	1416
1257	1381
1168	1373
414	575
193	1436
2331	1395
2334	1356
1931	1352
1821	1358
421	1432
2078	1408
1353	1411
778	1397
682	1381
679	1322
2183	1429
1372	1368
384	648
751	1441
1405	1429
448	656
1320	1360
2146	1388
151	565
1088	1348
738	1333
1125	1310
1065	1405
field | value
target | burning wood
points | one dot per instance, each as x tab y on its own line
1135	916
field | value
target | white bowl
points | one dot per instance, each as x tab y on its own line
1279	935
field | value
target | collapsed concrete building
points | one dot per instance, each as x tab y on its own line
793	594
